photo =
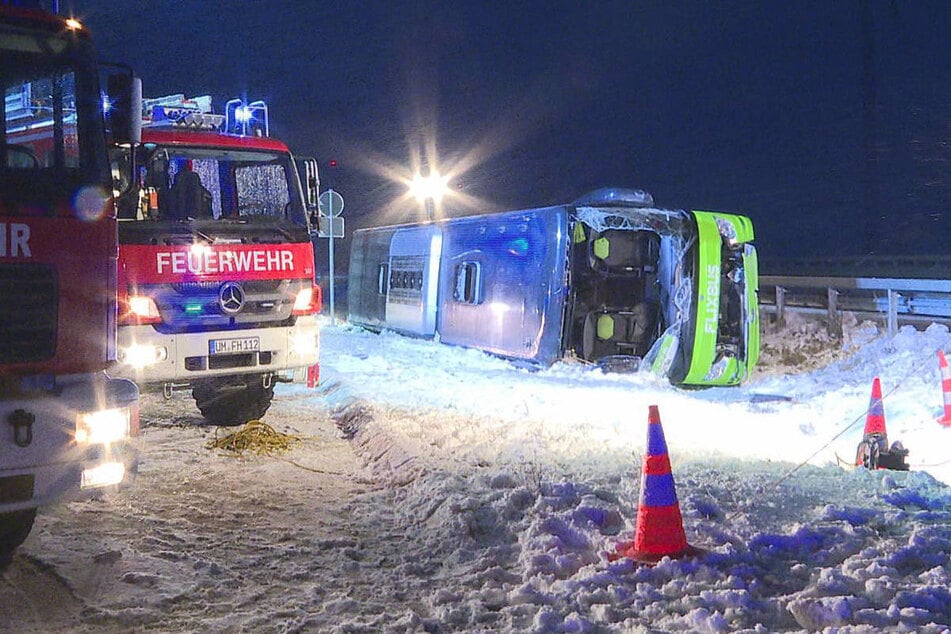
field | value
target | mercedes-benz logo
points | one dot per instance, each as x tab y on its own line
231	298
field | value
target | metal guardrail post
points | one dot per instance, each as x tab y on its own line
780	307
892	313
892	302
835	323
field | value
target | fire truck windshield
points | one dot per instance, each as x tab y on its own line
184	182
51	141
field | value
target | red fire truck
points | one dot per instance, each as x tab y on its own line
216	264
66	427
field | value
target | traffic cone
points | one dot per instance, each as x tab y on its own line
659	531
875	439
945	388
875	421
313	375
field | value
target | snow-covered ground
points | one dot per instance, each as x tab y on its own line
437	489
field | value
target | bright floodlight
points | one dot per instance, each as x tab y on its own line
431	187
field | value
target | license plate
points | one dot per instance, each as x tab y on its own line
234	346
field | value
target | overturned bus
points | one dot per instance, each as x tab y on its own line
610	280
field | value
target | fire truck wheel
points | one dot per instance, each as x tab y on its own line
229	402
14	528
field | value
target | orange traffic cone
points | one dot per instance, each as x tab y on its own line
945	388
313	375
875	439
659	531
875	421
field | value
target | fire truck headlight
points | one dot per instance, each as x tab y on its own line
141	355
104	426
304	344
105	474
144	310
307	301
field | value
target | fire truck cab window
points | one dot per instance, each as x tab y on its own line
236	184
50	109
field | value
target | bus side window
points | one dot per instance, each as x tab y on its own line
468	288
382	277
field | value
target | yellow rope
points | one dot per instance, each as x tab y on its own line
256	437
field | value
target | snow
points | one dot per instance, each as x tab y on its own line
438	489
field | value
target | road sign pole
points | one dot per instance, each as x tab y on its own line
331	204
333	314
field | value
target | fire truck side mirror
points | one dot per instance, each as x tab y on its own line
124	111
307	168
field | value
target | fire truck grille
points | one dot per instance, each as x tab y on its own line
29	305
197	306
253	286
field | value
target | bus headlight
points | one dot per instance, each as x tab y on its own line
718	369
104	426
727	230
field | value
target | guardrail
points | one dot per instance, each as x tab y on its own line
892	300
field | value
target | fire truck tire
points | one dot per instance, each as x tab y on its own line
229	402
14	528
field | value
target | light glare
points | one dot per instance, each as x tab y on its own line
106	474
104	426
141	355
432	187
143	307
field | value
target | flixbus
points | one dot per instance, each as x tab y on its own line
610	280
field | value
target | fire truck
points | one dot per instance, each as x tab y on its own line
216	265
66	428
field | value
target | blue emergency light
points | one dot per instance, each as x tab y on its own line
246	119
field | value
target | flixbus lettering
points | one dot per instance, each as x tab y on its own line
15	240
712	300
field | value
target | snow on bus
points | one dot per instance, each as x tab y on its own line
609	279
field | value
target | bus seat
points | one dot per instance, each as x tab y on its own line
617	332
625	253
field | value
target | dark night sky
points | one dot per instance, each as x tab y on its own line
829	123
